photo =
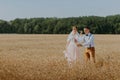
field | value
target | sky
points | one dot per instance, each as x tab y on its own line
12	9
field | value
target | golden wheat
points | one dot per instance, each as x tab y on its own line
40	57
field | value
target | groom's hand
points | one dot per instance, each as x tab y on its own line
79	45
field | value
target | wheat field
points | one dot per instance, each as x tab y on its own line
40	57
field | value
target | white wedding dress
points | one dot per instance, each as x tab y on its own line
72	51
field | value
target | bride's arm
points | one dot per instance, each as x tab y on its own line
68	42
78	41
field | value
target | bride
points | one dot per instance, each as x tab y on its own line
72	51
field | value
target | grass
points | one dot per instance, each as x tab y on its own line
40	57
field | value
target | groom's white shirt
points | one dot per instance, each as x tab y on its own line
88	41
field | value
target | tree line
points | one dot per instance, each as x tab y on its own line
98	25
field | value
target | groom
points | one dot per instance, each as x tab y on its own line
88	43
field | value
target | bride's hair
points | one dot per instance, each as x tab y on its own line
75	27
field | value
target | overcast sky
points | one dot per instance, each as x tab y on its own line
11	9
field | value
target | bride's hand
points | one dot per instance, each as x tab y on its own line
75	40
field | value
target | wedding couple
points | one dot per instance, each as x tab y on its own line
75	41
